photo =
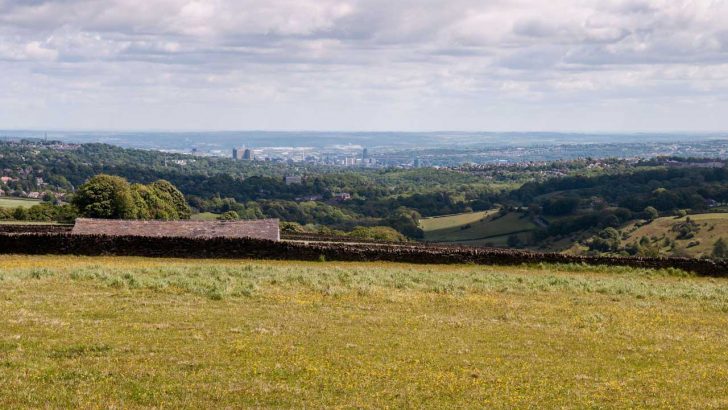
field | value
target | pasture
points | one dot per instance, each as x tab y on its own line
477	228
7	202
710	228
205	216
138	332
438	223
39	223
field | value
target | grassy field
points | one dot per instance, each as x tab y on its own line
477	228
439	223
6	202
712	226
133	332
28	223
205	216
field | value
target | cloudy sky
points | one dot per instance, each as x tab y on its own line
572	65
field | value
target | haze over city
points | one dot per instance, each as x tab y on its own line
364	65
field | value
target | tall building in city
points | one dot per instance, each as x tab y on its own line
365	154
247	155
237	154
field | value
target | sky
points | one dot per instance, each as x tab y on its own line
367	65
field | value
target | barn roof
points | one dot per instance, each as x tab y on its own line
261	228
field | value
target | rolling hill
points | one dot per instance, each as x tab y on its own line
664	234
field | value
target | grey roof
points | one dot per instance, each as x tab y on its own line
261	228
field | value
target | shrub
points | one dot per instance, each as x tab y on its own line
720	249
650	214
608	240
229	216
378	233
686	229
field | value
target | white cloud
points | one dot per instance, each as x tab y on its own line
457	64
37	51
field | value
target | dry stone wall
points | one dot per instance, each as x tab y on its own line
63	243
29	228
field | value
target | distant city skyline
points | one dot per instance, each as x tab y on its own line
364	65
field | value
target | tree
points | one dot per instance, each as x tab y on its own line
151	204
229	216
560	206
608	240
650	213
720	249
406	221
173	196
111	197
378	233
105	196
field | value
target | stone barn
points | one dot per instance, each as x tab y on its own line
259	229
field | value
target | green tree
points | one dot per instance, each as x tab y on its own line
105	196
111	197
152	204
141	207
720	249
229	216
608	240
406	221
172	195
650	213
377	233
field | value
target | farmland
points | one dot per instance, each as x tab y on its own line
137	332
17	202
477	228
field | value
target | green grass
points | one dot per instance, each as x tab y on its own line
205	216
28	223
476	228
17	202
135	332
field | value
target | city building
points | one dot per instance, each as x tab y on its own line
343	196
242	154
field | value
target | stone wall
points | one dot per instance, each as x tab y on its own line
62	243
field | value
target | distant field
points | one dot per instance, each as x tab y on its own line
478	228
17	202
28	223
204	216
712	227
452	221
134	332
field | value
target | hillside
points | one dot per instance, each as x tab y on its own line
136	332
477	228
708	229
